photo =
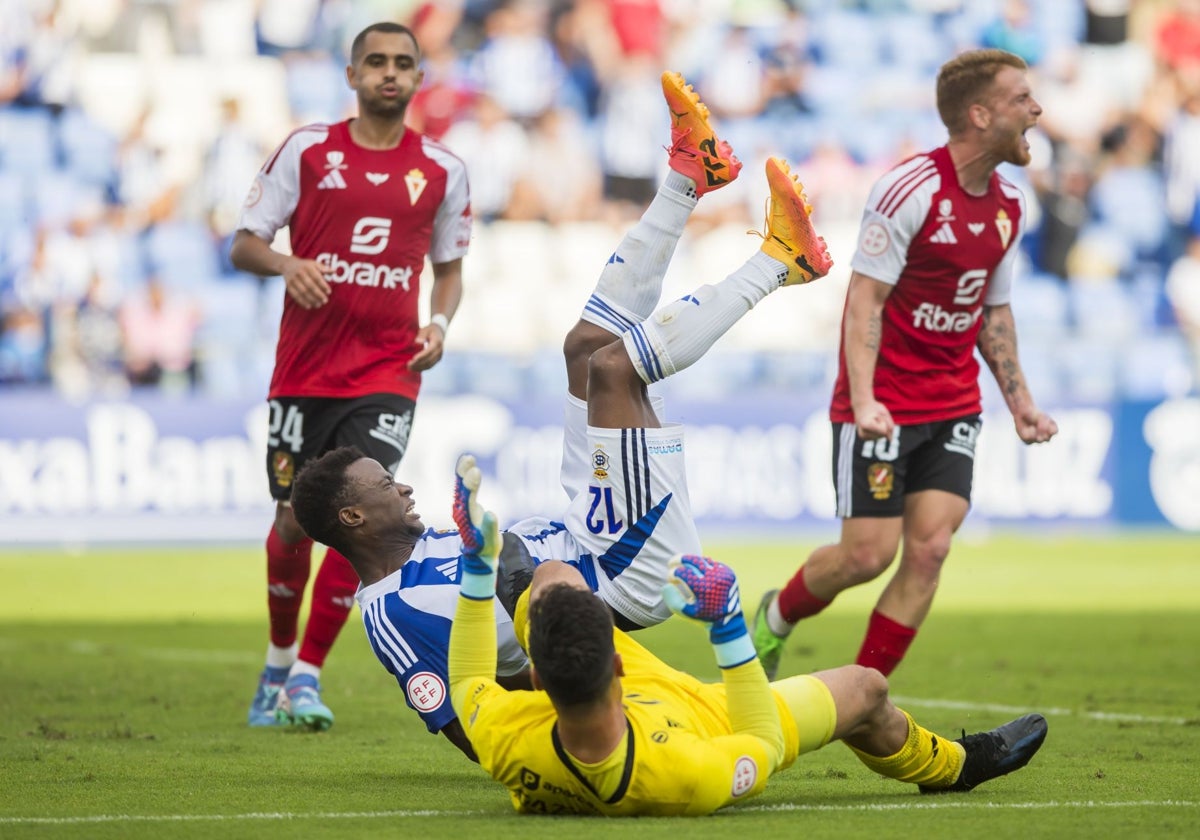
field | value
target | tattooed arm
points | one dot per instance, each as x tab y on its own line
998	345
862	334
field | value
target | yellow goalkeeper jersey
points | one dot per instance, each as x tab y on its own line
680	754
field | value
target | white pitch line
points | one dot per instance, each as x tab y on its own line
968	706
357	815
989	806
228	657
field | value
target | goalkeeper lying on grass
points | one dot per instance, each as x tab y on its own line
613	730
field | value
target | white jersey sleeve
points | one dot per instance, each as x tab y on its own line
276	188
452	224
1000	288
896	210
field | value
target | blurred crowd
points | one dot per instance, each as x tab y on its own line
130	131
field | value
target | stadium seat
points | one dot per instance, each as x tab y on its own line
26	140
182	253
57	196
1040	304
89	150
13	209
1154	366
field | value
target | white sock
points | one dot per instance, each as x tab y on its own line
302	667
631	283
281	657
775	620
682	331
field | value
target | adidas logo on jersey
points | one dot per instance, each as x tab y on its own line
944	235
334	164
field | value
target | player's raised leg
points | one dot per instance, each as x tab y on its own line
630	285
678	334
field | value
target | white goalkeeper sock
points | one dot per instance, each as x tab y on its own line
631	283
682	331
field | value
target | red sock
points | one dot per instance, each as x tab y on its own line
332	600
287	574
796	602
886	643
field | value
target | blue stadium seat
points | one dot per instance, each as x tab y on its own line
26	140
913	41
1154	366
1040	304
89	150
1087	369
182	253
13	207
57	196
1101	309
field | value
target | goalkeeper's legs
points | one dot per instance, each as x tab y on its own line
884	737
856	709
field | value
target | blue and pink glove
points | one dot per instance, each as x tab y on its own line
478	531
707	591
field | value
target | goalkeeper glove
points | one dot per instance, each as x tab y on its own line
705	590
478	531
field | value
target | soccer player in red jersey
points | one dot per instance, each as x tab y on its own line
366	201
931	281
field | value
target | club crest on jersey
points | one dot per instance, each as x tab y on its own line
880	480
1003	227
284	468
377	178
416	183
600	464
335	162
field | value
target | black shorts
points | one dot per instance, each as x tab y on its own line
872	477
300	428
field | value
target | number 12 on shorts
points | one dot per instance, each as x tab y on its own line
599	522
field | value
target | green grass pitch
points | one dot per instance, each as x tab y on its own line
125	676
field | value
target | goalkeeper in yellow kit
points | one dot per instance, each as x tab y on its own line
610	729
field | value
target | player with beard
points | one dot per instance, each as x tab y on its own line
931	281
366	201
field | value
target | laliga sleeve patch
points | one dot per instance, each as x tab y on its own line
255	194
745	774
874	240
426	691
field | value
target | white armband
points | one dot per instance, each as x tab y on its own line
441	320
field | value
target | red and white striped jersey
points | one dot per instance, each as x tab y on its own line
947	253
372	216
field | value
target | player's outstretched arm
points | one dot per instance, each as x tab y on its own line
707	591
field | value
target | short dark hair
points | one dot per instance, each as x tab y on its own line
964	81
320	490
385	26
571	644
